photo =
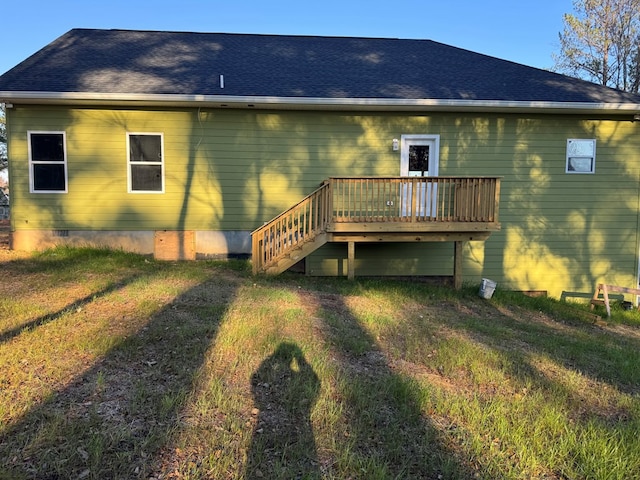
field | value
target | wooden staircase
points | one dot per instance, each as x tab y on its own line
288	238
378	209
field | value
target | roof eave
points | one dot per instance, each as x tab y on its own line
309	103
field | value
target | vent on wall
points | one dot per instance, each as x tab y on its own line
61	233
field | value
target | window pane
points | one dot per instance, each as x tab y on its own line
48	176
146	178
419	158
581	165
47	147
145	148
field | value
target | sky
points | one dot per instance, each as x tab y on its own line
523	31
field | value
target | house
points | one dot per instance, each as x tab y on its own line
182	144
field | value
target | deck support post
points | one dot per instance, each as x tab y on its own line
351	256
457	265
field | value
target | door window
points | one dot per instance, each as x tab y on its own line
419	160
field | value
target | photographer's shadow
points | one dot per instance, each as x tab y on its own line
285	388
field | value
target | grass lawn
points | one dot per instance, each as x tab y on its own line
117	366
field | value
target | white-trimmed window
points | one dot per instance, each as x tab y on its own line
47	161
581	155
145	162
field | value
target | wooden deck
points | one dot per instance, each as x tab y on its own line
380	209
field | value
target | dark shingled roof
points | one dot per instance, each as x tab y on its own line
145	62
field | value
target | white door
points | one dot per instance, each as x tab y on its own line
419	158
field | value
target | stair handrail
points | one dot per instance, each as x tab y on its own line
292	228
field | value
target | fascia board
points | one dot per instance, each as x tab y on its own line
306	103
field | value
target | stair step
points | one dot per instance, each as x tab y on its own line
296	254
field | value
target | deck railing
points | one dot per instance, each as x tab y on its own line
415	199
352	200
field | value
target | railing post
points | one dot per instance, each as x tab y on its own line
328	202
496	201
257	250
254	254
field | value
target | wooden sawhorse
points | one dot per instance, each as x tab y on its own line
605	290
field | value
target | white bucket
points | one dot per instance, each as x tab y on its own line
487	287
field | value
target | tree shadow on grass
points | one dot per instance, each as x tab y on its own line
562	368
603	354
112	419
7	335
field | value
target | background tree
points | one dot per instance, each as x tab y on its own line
600	43
4	161
3	138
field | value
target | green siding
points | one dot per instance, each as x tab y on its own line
393	259
235	169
